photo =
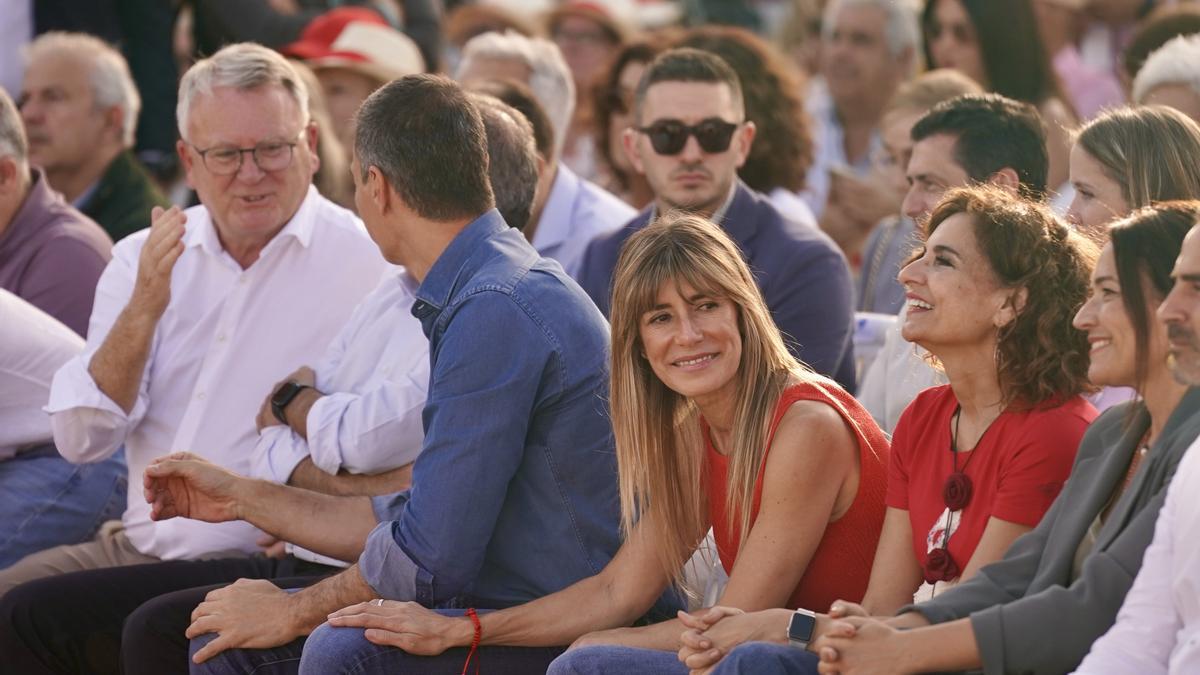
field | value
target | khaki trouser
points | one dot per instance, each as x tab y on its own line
110	548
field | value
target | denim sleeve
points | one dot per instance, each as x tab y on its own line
491	365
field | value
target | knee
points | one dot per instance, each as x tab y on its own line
329	649
763	658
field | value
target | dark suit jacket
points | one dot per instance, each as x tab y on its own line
124	197
802	274
1028	613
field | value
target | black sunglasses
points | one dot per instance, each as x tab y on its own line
669	137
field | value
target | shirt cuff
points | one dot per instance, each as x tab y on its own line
73	387
322	421
387	569
278	452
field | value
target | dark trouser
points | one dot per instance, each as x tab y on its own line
77	622
345	651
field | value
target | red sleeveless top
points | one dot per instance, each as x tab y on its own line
841	564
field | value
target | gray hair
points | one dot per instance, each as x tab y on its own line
12	132
1176	62
550	78
512	158
243	66
108	73
902	29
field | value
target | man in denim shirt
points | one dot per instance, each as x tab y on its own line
514	493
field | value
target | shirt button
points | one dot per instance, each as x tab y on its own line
221	337
200	396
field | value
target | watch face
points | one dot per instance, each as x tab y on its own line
801	626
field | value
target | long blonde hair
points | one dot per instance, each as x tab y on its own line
659	449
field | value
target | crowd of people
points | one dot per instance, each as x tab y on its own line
731	337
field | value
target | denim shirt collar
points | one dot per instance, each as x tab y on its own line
456	262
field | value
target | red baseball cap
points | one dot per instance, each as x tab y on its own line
358	39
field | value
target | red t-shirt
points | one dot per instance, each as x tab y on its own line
1017	469
841	565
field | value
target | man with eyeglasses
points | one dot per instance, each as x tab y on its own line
195	319
690	141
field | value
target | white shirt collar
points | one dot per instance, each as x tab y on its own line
203	233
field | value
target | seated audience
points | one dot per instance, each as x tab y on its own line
50	254
1171	77
332	178
1162	24
514	493
997	45
967	140
353	52
894	238
868	48
588	35
518	97
1057	588
352	424
80	109
692	138
716	424
1156	627
771	93
44	500
1127	158
196	318
570	211
613	114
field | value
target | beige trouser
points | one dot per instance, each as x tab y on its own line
110	548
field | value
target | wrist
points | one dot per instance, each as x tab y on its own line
464	632
296	411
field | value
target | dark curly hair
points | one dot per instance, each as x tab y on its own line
771	88
607	100
1041	359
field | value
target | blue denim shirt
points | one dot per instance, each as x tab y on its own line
515	491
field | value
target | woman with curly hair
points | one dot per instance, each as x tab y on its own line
771	86
612	114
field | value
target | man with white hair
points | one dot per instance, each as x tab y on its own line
1171	77
80	108
197	317
568	211
868	47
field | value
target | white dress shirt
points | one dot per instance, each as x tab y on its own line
1158	627
226	337
897	374
33	345
829	147
576	212
375	375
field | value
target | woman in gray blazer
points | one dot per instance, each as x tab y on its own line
1059	587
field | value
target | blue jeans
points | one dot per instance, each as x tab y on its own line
617	660
46	501
345	651
766	658
752	658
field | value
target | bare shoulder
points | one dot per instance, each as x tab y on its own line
814	429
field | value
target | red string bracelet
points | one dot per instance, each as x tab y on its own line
474	642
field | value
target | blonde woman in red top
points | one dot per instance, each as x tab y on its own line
716	424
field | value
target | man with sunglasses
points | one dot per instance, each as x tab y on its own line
195	319
690	140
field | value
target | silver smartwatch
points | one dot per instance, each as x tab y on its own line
801	627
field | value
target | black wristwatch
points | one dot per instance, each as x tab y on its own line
801	627
282	397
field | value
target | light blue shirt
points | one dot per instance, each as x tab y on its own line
576	212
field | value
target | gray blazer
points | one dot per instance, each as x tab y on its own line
1028	614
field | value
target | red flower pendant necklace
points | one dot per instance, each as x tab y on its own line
956	495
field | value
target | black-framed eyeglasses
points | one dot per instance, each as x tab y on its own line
668	137
268	156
